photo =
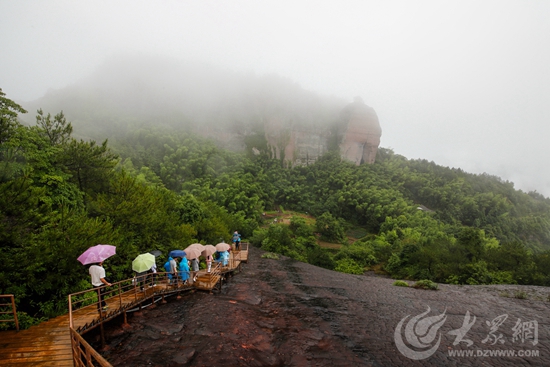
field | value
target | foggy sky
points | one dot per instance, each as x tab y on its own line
465	84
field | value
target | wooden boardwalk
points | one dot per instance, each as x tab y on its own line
53	342
46	344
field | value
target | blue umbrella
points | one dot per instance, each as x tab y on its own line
177	253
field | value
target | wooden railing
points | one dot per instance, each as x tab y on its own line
89	299
209	280
117	295
7	307
83	354
235	259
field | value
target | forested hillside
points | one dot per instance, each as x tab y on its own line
163	188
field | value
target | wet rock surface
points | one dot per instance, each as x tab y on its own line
286	313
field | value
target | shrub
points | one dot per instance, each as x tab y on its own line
520	295
348	266
25	321
361	253
320	257
257	237
330	228
270	255
425	284
400	283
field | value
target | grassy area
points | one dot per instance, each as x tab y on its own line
356	233
284	217
329	245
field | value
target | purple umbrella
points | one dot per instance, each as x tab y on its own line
97	254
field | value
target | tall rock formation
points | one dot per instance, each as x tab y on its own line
361	138
358	133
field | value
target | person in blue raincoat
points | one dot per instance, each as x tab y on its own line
184	270
237	240
224	258
169	267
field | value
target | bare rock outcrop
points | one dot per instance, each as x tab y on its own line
362	135
357	133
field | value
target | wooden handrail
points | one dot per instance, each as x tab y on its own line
86	299
11	305
83	354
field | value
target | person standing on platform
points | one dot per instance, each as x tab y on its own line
195	268
237	240
209	263
224	258
174	270
97	273
184	270
141	279
154	271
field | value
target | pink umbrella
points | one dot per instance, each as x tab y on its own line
97	254
222	246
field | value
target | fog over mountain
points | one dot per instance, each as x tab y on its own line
463	83
134	89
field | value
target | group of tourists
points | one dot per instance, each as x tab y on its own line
178	268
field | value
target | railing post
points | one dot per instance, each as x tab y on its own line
71	311
119	295
14	312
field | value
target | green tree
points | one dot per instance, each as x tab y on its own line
9	111
330	228
58	131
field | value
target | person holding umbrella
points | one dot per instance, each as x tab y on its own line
193	253
95	255
154	271
174	269
142	265
155	253
207	253
223	249
195	265
97	273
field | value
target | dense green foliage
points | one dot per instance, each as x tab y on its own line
59	196
159	188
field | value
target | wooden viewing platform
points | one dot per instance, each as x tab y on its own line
59	342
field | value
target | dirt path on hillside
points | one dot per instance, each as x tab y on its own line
287	313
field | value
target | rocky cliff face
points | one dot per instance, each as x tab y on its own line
357	133
362	136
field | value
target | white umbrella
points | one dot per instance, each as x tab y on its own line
193	252
222	246
208	250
